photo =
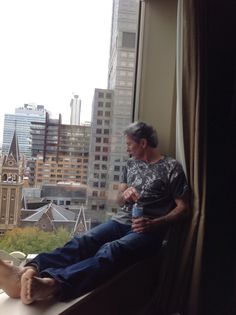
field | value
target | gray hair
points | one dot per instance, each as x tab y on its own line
141	130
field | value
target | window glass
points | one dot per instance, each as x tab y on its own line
76	151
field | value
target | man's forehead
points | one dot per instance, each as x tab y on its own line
128	139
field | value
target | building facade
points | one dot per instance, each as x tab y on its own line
122	64
99	151
105	171
21	122
59	153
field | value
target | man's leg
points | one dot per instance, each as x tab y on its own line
75	251
78	248
80	278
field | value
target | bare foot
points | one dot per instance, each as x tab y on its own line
36	289
10	279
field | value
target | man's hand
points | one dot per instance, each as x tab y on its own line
130	195
144	224
141	225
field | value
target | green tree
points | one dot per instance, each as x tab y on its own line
31	240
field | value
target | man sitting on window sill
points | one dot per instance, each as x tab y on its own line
156	182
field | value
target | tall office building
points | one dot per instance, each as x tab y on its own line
75	106
99	149
121	81
21	122
105	169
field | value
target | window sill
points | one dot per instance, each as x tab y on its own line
15	306
102	300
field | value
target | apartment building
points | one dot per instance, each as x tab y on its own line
60	153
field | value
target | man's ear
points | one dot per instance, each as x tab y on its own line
144	143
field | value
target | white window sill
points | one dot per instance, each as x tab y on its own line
16	307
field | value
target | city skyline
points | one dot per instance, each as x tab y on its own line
48	54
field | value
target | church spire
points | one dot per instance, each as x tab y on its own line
14	148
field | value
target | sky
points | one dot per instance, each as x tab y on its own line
50	49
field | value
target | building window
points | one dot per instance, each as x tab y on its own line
128	40
100	113
108	104
103	176
107	114
105	149
97	149
104	158
103	194
116	168
100	104
95	193
95	184
106	131
98	140
103	184
108	95
105	140
100	95
99	122
99	131
97	157
116	178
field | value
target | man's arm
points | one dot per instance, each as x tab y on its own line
120	199
143	224
126	194
180	211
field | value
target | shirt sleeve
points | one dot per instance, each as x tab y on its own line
178	182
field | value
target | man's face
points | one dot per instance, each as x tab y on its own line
134	148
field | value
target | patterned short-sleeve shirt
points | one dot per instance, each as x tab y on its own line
159	184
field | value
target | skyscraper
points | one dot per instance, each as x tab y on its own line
75	105
21	122
121	81
99	148
104	171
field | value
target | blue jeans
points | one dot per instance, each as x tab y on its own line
89	260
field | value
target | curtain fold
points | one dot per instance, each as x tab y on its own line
179	278
194	139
